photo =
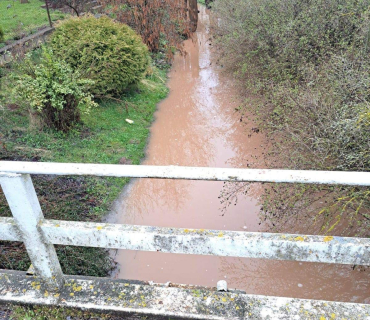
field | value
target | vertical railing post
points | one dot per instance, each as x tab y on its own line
26	210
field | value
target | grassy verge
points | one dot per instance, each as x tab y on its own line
105	137
19	19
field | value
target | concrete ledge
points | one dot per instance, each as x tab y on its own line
102	294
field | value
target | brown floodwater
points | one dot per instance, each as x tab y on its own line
197	125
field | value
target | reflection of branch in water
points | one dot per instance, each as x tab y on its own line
230	193
149	195
298	208
252	275
317	280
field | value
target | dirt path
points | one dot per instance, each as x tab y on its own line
197	126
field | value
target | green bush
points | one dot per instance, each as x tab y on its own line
53	91
1	34
108	52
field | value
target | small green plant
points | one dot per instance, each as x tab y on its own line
53	91
108	52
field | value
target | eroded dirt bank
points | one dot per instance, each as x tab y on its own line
197	126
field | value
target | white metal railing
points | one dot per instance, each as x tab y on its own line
39	235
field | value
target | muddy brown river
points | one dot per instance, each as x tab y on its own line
197	125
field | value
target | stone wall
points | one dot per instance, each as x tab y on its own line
20	47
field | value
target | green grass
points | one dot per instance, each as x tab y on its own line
55	313
47	313
104	137
24	18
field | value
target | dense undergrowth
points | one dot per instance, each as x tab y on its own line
159	22
309	63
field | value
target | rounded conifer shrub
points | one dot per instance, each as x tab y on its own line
108	52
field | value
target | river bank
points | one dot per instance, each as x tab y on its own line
104	137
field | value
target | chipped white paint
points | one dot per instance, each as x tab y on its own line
8	230
26	210
274	246
182	301
189	173
222	285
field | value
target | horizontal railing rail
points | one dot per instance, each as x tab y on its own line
39	235
189	173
